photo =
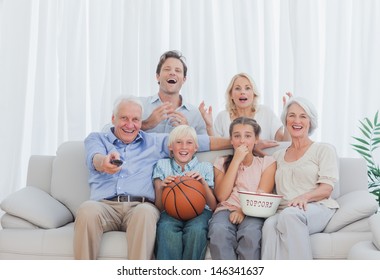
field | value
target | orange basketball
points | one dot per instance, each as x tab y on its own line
184	198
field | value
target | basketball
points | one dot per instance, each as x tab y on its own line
184	198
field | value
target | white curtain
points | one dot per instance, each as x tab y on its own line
63	62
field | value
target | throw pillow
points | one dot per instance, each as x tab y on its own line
353	206
37	207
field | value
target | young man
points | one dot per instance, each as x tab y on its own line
122	196
167	109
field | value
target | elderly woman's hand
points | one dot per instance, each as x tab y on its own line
323	191
300	202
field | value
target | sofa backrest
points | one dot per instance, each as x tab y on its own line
69	175
352	175
352	171
69	181
39	172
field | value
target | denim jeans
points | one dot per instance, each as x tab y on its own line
177	240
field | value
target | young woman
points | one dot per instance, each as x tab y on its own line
242	98
232	234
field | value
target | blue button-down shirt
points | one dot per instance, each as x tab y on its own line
135	176
193	116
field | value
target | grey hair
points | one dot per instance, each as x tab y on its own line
309	108
126	99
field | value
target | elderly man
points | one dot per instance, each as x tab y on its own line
120	164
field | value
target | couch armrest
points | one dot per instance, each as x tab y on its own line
37	207
353	207
374	224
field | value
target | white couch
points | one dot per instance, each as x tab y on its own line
369	249
38	219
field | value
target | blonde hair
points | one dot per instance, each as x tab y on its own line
182	131
230	106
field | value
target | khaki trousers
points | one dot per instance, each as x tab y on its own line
96	217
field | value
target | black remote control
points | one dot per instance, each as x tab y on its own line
116	162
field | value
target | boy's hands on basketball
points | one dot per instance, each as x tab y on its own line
236	217
196	176
167	181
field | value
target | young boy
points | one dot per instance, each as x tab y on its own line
177	239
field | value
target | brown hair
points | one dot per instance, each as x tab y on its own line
173	54
246	121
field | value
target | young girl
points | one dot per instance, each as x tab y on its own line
232	234
176	239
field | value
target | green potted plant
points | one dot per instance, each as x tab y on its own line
365	146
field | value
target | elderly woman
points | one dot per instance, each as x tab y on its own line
305	176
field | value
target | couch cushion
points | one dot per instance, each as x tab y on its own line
10	221
37	207
364	250
352	207
358	226
335	245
